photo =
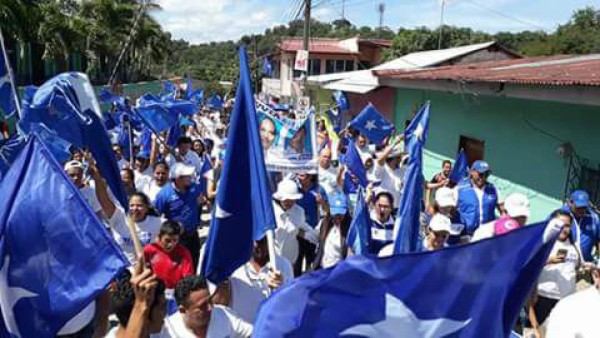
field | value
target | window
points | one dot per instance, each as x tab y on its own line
474	149
362	65
337	66
314	67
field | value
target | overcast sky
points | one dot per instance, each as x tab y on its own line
200	21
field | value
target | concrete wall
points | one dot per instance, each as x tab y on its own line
521	139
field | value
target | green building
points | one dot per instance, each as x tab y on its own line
533	120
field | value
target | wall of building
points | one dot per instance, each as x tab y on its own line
521	139
382	98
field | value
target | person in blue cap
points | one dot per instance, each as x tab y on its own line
333	232
477	198
585	228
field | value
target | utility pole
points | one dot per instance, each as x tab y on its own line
441	24
381	9
307	6
343	10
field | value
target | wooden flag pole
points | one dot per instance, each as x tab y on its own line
271	244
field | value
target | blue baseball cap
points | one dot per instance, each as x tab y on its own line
143	155
186	122
481	167
337	204
580	199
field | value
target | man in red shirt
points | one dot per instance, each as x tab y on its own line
169	260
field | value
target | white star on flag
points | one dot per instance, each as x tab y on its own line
220	213
419	132
400	321
9	296
370	125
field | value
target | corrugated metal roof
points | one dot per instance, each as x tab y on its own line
366	81
553	70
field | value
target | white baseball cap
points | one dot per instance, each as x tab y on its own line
445	197
181	169
517	205
287	190
73	164
440	222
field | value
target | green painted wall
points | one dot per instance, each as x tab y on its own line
521	139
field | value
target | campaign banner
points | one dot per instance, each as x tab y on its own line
288	145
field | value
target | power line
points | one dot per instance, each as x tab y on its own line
507	16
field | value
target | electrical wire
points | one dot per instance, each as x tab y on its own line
504	15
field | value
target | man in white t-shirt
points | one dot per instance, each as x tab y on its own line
75	170
199	317
254	281
327	173
576	316
387	170
143	170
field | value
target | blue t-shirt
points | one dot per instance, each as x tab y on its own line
178	206
308	202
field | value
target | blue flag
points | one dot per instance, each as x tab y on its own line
106	96
354	163
372	124
234	225
215	102
460	169
59	148
67	105
359	234
156	117
341	100
8	95
267	68
55	254
9	150
406	228
467	291
169	90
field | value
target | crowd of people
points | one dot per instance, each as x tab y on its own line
169	191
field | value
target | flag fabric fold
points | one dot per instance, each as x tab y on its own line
354	163
445	293
55	254
460	169
359	233
406	228
234	225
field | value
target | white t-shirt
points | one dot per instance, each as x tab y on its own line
483	231
559	280
162	334
332	251
249	287
289	223
141	179
147	231
479	194
576	316
328	179
89	194
224	322
151	190
391	180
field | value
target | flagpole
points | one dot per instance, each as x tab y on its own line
271	244
10	76
131	157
